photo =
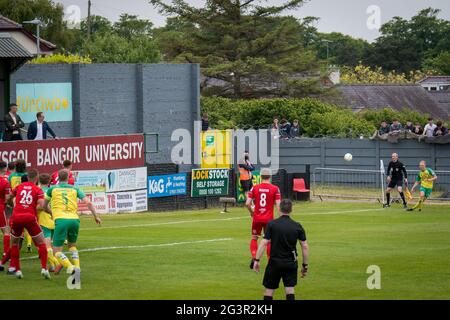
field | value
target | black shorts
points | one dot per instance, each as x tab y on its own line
246	185
395	183
278	270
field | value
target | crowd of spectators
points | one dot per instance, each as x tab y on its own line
285	130
430	129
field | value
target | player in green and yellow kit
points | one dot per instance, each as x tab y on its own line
425	178
64	209
47	224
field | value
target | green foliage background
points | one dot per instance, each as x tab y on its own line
316	117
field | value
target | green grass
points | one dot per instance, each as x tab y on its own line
411	249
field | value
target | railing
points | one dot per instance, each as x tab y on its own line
348	183
369	184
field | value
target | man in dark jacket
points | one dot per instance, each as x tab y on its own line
38	129
13	124
285	129
296	130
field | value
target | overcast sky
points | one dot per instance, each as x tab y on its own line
346	16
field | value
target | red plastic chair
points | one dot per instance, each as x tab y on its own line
299	186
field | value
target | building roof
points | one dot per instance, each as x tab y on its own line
10	25
397	97
11	48
443	80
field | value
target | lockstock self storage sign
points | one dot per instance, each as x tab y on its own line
209	182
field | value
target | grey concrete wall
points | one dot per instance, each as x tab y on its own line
113	99
294	155
41	74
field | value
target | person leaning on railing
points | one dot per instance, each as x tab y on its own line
38	129
13	124
440	130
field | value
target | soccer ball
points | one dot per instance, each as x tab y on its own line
348	157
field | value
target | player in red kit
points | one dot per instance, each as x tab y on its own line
261	201
67	164
5	191
28	197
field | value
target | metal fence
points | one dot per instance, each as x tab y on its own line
348	183
441	189
368	184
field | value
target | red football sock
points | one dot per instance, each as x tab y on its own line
253	247
6	243
6	257
268	250
43	255
15	257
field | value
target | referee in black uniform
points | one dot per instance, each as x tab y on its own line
283	233
396	174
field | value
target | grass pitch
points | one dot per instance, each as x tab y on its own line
205	255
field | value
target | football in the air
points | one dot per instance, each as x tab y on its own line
348	157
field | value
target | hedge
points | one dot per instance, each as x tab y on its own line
316	117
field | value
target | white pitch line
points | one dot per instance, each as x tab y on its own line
214	220
163	223
144	246
345	211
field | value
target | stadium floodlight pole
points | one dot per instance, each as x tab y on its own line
38	24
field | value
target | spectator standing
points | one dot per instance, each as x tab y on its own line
275	124
409	126
395	127
245	173
38	129
384	128
13	124
296	130
205	122
428	130
418	129
440	130
285	129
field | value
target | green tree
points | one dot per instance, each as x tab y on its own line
247	46
130	26
112	48
128	40
344	50
52	15
405	44
439	64
99	25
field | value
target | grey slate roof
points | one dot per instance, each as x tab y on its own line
397	97
444	80
11	48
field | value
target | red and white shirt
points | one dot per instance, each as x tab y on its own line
264	196
27	195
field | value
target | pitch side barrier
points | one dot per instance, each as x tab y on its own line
368	184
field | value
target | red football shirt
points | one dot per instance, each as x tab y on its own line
5	189
55	179
27	195
264	196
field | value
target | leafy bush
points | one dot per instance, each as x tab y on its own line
388	114
366	75
316	117
61	58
